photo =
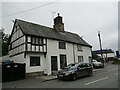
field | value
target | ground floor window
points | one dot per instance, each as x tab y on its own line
34	61
63	61
90	59
80	58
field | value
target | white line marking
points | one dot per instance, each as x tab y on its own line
112	69
96	81
97	69
117	73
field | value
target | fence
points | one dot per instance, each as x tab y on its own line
12	72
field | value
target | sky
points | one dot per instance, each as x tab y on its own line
84	18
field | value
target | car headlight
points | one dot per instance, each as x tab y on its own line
96	64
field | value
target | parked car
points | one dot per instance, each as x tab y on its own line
75	70
7	62
97	64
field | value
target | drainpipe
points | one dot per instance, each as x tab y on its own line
74	53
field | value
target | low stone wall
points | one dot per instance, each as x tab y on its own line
35	74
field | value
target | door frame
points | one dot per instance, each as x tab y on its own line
56	63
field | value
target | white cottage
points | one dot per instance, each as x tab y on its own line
45	49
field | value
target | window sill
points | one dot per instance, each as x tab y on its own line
36	66
80	50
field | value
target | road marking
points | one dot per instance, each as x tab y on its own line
112	69
96	81
97	70
117	73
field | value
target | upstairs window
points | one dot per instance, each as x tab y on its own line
79	47
37	41
33	40
62	45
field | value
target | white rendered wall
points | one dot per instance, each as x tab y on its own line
18	58
35	68
53	50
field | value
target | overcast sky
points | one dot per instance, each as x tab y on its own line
83	18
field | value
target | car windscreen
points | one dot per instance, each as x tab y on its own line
94	60
70	66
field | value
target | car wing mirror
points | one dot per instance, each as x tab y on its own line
78	68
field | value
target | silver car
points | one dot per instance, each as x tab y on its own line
97	64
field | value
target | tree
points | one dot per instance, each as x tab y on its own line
94	55
4	39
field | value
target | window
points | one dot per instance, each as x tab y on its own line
63	62
37	41
33	40
79	47
10	46
40	41
62	45
34	61
80	58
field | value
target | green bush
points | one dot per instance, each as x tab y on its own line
116	62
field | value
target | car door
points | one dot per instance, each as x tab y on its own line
86	68
81	69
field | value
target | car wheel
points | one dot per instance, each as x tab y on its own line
59	78
90	73
74	77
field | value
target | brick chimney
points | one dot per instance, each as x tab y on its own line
58	24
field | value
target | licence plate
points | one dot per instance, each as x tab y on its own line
60	75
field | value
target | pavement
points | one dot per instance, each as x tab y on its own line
47	78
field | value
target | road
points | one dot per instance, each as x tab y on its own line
102	78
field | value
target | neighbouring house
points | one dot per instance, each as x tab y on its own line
45	49
108	54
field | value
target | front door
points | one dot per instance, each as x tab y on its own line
54	65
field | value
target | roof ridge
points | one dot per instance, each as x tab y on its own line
30	22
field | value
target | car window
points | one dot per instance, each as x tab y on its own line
71	66
86	65
83	65
94	60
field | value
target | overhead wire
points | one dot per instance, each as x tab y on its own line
29	9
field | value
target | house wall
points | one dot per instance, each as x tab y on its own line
53	50
42	66
17	43
20	59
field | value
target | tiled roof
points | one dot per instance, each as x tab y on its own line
47	32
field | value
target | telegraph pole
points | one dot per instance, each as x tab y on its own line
100	47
